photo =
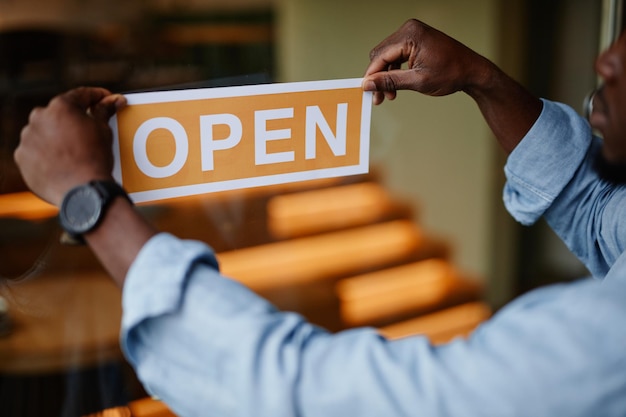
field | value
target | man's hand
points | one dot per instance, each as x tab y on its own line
437	64
68	143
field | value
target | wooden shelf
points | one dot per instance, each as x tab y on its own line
25	205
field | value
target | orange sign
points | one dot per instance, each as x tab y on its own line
179	143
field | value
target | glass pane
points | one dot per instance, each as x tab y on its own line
413	247
60	312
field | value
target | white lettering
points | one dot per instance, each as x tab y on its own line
314	119
262	136
208	144
140	142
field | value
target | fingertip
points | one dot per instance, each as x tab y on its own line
378	98
119	101
114	101
369	85
390	95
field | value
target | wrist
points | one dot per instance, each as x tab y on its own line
119	238
484	78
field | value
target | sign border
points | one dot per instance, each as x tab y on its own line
362	167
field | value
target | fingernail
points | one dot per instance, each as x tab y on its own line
120	101
369	85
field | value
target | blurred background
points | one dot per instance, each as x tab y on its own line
434	191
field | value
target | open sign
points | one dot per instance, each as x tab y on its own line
179	143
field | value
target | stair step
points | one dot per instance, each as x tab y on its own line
332	208
442	326
410	288
330	255
25	205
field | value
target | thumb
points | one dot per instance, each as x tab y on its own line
385	85
390	81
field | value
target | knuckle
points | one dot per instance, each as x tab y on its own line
18	155
389	84
374	53
34	114
412	22
58	101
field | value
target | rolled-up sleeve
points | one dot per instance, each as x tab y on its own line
551	173
545	161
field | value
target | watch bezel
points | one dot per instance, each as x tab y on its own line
70	221
100	193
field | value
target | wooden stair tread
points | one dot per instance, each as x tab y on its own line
441	326
143	407
320	210
148	407
25	205
389	293
233	219
335	254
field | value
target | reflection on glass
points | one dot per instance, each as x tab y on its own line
343	252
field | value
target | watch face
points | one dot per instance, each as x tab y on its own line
81	209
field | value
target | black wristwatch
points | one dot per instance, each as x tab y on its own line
84	207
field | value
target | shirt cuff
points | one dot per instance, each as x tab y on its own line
545	161
155	280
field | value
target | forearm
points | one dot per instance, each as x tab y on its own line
508	108
119	238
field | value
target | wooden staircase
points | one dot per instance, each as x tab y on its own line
342	252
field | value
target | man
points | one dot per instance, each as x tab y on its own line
209	347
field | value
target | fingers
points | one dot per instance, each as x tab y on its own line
385	85
63	145
35	114
107	107
379	96
97	102
377	64
377	79
386	58
84	97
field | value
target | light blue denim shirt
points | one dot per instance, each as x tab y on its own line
208	346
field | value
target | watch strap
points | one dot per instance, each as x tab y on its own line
108	190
